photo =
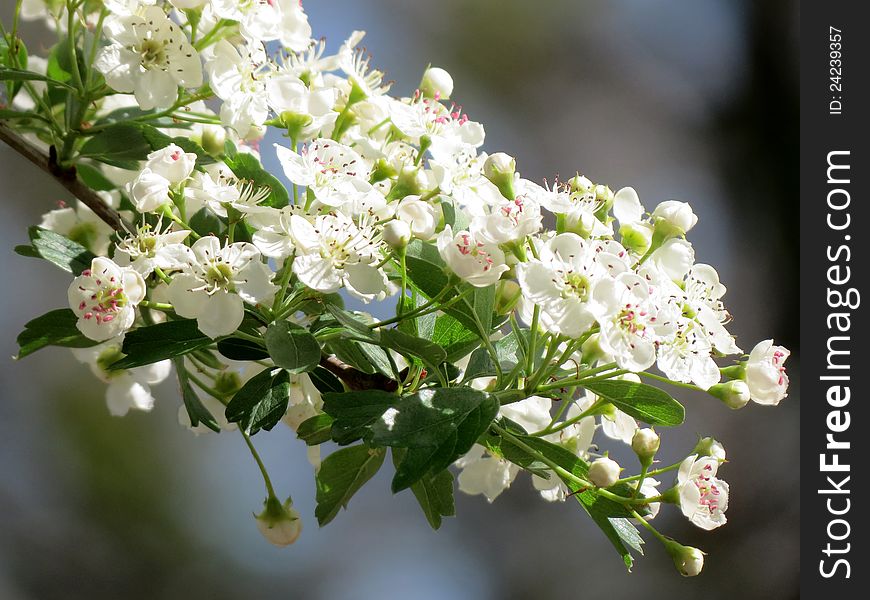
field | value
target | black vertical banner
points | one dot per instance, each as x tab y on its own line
835	230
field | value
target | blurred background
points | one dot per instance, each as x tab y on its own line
695	101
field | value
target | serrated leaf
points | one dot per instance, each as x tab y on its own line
261	402
122	145
58	250
355	411
436	425
341	475
204	222
316	430
54	328
153	343
434	492
643	402
292	347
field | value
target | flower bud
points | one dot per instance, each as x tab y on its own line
397	234
499	168
508	293
735	394
673	218
148	191
172	163
688	560
709	447
437	83
591	350
636	237
228	382
645	444
604	472
213	139
279	524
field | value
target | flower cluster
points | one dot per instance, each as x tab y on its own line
527	314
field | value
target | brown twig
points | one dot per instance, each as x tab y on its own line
357	380
65	177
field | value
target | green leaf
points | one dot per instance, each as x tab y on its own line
57	249
239	349
93	178
196	411
430	352
341	475
292	347
434	492
643	402
157	140
246	166
355	411
153	343
316	430
479	365
8	74
204	222
54	328
437	425
325	381
353	323
121	145
456	339
261	402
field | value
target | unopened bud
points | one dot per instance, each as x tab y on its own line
735	394
636	237
604	472
645	444
294	123
279	523
688	560
709	447
213	139
507	294
673	218
228	382
397	234
437	83
500	168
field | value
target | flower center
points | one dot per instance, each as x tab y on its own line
219	274
631	319
153	54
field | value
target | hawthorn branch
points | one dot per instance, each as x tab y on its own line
66	177
357	380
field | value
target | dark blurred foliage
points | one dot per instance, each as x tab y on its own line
689	100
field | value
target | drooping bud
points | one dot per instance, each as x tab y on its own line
500	168
604	472
279	523
437	83
397	234
645	444
688	560
735	394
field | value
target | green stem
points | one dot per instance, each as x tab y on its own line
269	489
688	386
652	473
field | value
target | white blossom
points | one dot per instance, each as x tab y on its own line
765	373
703	497
104	299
